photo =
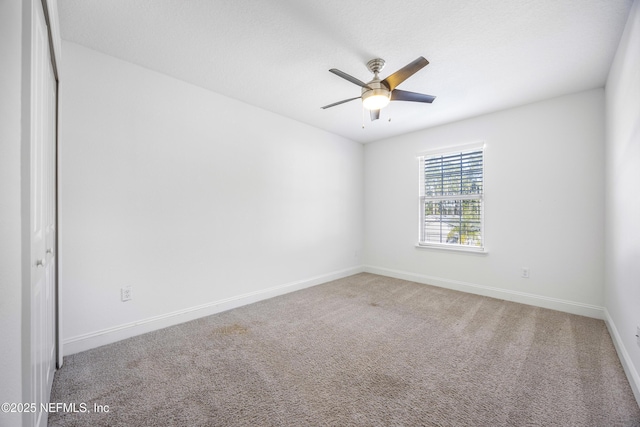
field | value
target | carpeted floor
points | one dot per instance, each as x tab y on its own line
366	350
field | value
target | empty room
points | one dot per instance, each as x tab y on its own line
303	213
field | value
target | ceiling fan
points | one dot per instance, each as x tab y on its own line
377	93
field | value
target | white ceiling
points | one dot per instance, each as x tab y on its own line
484	55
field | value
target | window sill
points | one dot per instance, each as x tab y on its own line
474	251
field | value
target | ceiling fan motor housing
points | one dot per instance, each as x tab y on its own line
377	97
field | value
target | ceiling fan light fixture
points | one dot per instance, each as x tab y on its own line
376	99
377	93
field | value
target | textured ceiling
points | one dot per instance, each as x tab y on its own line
484	55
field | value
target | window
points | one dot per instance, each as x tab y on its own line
451	198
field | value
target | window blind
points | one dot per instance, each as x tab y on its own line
451	198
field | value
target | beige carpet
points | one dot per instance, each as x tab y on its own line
361	351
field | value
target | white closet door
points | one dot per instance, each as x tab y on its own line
43	232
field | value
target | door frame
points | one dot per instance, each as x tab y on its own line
50	9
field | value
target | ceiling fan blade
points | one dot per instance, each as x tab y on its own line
339	102
405	72
403	95
375	114
349	78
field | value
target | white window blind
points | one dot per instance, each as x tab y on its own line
451	198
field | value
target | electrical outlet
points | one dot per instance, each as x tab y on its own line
126	293
525	272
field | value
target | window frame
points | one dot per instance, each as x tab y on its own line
423	198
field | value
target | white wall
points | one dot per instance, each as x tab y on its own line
10	209
192	198
544	175
622	266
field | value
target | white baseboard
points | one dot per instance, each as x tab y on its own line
623	355
504	294
110	335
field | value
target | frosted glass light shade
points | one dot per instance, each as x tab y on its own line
376	99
